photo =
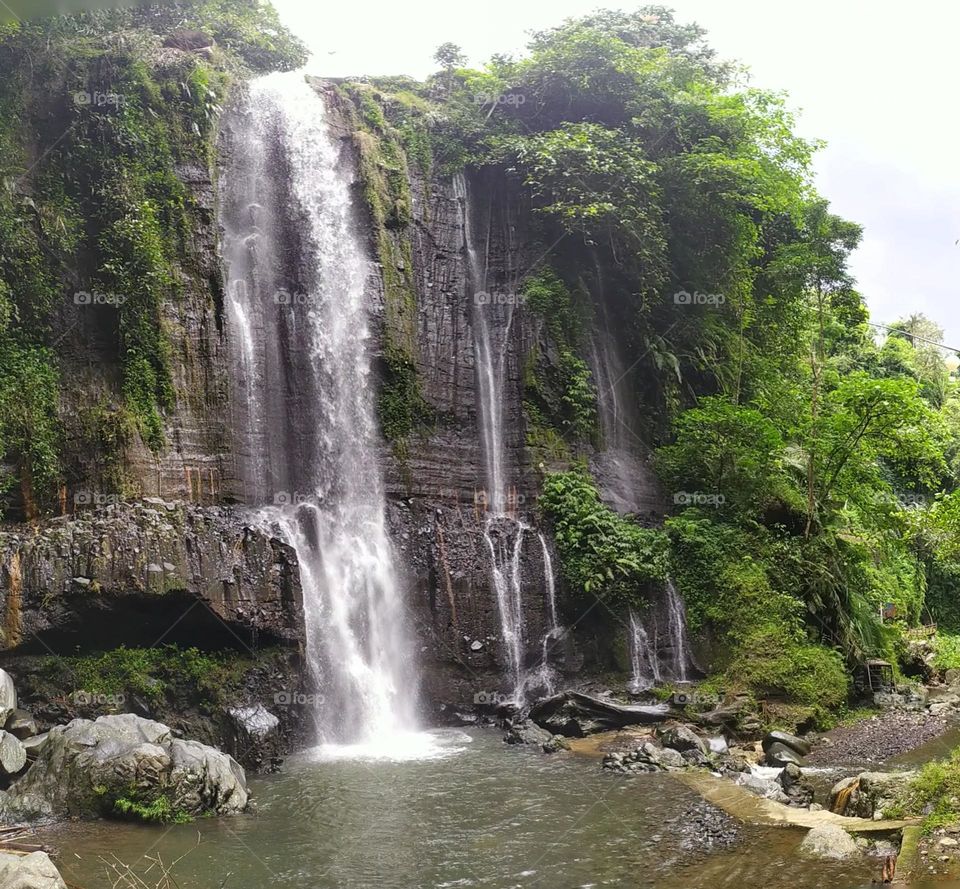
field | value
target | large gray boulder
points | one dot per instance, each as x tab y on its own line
681	737
125	764
870	793
13	755
8	697
33	871
829	841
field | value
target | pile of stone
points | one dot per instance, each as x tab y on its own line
19	741
672	748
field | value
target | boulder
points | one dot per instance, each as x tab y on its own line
798	745
575	715
648	757
829	841
8	697
765	787
21	724
875	792
33	871
795	786
255	736
681	737
13	755
34	745
97	768
778	754
527	732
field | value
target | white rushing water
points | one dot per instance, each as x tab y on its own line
490	346
648	666
357	645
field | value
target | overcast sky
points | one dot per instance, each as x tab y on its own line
877	81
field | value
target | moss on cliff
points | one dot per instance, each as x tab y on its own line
98	122
385	129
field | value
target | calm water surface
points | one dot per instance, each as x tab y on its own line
475	814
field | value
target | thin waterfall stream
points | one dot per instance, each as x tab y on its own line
358	651
504	531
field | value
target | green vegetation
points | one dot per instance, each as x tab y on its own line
602	554
153	808
151	673
814	471
96	227
933	795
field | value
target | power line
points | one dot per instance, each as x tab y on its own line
914	336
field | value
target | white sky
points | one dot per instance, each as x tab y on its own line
877	81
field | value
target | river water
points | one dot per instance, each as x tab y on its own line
474	813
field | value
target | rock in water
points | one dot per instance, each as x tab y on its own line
829	841
86	767
8	697
13	755
527	732
33	871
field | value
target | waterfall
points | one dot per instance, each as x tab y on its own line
645	667
304	361
499	526
666	629
677	622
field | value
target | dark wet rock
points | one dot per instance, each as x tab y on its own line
648	757
778	754
575	715
216	581
795	786
256	732
829	841
799	745
84	767
21	724
527	732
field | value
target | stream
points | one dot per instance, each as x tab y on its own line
469	812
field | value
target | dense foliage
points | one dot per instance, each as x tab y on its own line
812	465
96	225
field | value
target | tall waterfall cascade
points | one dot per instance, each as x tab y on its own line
504	531
287	173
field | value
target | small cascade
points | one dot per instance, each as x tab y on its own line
644	664
314	348
677	623
659	647
543	678
505	569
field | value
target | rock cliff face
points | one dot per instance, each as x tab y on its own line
137	573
